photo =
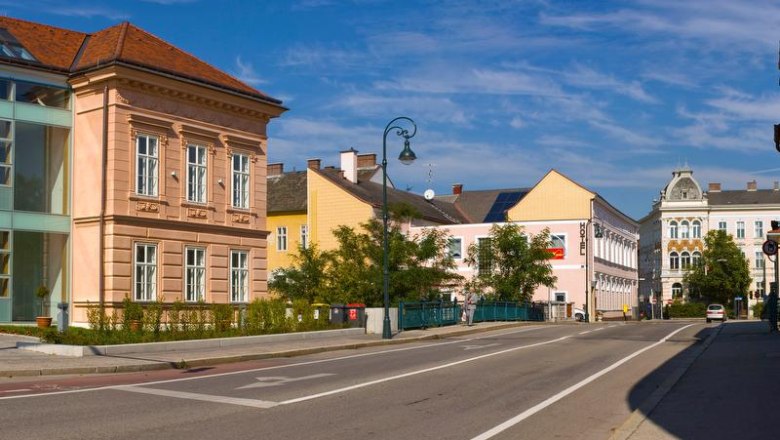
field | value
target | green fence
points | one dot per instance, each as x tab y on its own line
439	313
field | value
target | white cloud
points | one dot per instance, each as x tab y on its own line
589	78
246	73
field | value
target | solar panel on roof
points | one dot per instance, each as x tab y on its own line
504	201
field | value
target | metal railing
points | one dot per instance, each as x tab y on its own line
439	313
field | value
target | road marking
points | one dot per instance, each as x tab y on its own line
20	390
599	329
544	404
415	373
477	347
202	397
273	381
586	332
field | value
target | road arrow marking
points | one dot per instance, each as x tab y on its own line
273	381
476	347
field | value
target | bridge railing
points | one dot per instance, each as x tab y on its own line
425	314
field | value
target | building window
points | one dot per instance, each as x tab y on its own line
5	264
41	172
674	261
455	248
239	276
722	226
696	259
281	238
759	229
696	229
195	274
684	229
759	260
196	173
685	260
146	153
560	296
676	290
484	258
44	96
241	181
759	289
740	229
6	152
145	272
304	236
673	229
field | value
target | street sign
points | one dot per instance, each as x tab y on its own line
737	298
769	247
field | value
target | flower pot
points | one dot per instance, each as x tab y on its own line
43	321
135	325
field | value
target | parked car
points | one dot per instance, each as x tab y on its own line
579	314
716	311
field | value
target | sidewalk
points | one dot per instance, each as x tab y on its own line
726	389
17	362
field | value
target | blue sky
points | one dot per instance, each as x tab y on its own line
613	94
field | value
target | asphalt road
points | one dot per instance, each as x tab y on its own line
562	382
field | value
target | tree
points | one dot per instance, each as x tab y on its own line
307	278
511	265
722	273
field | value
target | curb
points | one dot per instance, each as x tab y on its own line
642	412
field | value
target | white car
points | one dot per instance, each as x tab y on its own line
579	314
716	311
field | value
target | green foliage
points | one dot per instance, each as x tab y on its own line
178	317
758	309
687	310
510	265
132	311
306	279
723	272
267	316
97	318
223	316
43	294
153	319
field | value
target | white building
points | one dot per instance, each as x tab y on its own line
671	235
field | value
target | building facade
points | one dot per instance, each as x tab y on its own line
672	233
133	169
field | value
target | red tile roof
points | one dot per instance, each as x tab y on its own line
59	49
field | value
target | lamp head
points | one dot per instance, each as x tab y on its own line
407	155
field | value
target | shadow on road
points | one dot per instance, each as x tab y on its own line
725	387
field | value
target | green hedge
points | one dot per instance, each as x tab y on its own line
686	310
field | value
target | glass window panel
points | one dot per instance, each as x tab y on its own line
5	240
5	287
5	129
5	89
40	168
42	95
5	264
5	152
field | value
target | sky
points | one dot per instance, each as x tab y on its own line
615	95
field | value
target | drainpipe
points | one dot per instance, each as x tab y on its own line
101	266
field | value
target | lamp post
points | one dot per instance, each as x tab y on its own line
407	157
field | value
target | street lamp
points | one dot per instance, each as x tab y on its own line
407	157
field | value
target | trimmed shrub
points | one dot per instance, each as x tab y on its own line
687	310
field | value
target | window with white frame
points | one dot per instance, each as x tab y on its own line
684	229
196	173
305	236
281	238
760	288
677	290
6	152
685	260
695	259
696	229
740	229
759	260
239	276
673	229
674	261
455	248
195	274
722	226
145	262
241	181
560	296
146	165
758	229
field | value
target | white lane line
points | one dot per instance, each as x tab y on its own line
586	332
17	390
414	373
299	364
599	329
202	397
544	404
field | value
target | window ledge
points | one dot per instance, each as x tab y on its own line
198	206
142	198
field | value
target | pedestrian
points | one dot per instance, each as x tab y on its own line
470	305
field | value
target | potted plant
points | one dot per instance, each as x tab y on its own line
43	320
133	314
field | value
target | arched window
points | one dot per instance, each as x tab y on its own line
696	258
684	229
674	261
696	229
676	290
685	260
673	229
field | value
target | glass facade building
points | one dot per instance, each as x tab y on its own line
35	151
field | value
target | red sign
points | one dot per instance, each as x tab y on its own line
352	314
557	253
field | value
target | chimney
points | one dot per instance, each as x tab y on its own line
457	188
367	160
752	185
777	186
313	164
714	187
349	163
275	169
